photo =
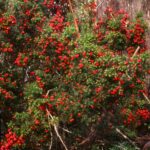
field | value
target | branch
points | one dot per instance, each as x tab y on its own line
57	133
49	92
99	4
51	142
136	51
66	130
125	137
127	74
56	130
74	18
146	98
90	138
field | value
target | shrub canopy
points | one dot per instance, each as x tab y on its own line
66	81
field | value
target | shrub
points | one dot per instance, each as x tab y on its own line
56	84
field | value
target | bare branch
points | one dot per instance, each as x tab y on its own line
66	130
148	100
49	92
56	130
100	4
125	137
74	18
136	51
51	141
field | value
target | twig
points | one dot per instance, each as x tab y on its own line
146	98
136	51
66	130
127	75
90	138
121	147
56	130
99	4
125	137
57	73
51	142
49	92
57	133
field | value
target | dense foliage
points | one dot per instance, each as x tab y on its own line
66	89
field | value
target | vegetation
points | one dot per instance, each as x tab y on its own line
69	80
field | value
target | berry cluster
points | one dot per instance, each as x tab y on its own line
11	140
